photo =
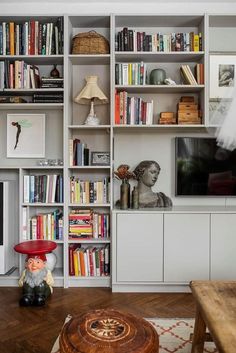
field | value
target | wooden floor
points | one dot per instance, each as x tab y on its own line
34	330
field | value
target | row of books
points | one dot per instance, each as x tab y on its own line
87	191
31	38
89	261
44	97
47	226
132	110
88	224
78	153
130	73
18	74
189	77
43	188
132	40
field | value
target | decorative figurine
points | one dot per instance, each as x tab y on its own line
36	280
147	173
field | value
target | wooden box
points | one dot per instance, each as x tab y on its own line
187	99
188	114
187	106
167	118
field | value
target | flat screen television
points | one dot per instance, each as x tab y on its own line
203	168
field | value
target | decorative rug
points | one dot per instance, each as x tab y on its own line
174	336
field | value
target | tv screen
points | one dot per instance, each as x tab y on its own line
203	168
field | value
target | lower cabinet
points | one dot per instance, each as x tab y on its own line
139	247
223	246
164	251
186	247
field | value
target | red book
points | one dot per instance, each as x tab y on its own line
71	260
117	108
32	38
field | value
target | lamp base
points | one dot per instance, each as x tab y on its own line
92	120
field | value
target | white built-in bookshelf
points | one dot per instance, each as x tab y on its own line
127	141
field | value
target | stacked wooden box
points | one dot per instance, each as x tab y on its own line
188	112
167	118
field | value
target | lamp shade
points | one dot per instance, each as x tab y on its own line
91	92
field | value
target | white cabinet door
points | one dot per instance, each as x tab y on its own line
223	246
186	247
139	247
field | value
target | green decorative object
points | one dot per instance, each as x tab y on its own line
157	77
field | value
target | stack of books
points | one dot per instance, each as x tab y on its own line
43	97
51	82
80	224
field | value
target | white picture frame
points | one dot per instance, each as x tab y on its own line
222	76
25	135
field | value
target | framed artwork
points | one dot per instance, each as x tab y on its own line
222	76
25	135
100	158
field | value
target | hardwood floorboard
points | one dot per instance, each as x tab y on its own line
34	330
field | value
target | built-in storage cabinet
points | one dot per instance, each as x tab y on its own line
223	246
150	248
190	245
139	244
186	247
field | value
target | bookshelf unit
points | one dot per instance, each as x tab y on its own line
127	143
96	138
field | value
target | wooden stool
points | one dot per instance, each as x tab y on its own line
108	331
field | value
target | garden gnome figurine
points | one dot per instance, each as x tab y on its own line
36	279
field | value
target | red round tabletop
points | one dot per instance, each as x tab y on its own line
35	247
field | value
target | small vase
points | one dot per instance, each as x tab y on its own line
124	195
135	198
157	77
54	73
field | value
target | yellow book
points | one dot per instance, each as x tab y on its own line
76	265
130	74
196	42
12	38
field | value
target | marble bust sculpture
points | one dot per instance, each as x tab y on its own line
147	173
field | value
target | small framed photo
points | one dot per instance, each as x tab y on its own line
100	158
25	135
222	76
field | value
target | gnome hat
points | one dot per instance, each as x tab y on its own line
36	248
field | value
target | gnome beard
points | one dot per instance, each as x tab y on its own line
34	279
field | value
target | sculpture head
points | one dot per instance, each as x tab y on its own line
147	172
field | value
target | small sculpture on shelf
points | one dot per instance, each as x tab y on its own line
147	173
123	173
36	280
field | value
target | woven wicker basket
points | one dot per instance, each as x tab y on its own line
90	43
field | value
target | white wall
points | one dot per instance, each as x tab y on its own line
123	6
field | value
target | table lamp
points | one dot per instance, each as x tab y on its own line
91	94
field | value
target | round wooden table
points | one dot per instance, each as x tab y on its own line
108	331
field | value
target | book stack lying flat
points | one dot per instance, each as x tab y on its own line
54	97
51	82
188	112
